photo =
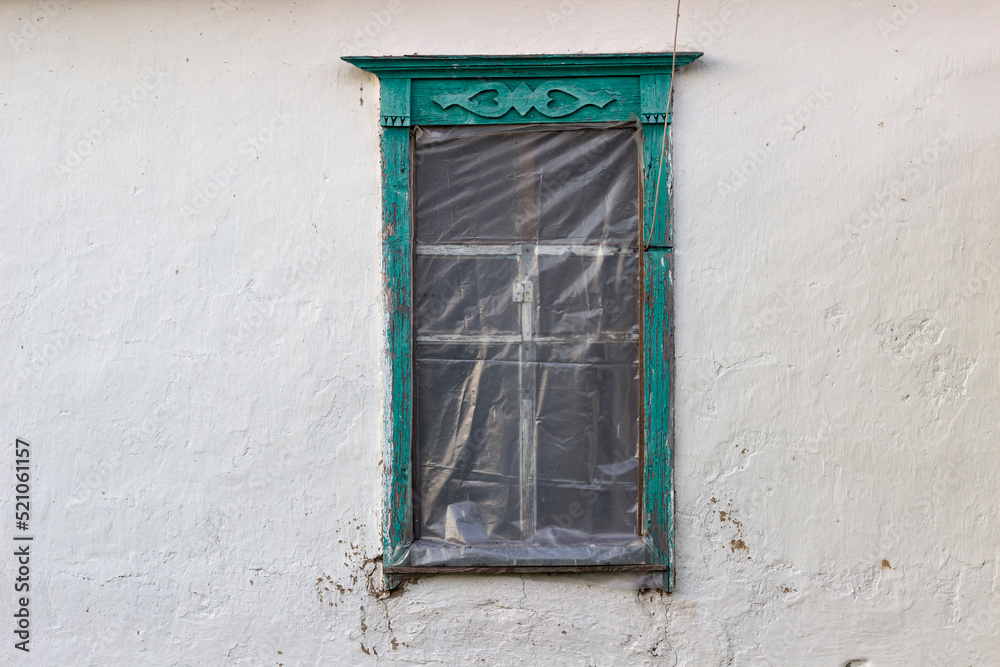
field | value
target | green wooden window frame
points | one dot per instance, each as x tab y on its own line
445	90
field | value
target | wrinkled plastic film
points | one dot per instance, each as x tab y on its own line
526	357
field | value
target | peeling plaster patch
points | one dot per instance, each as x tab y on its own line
834	318
945	375
736	542
345	391
975	611
734	456
858	582
942	372
726	516
690	635
323	587
908	338
701	389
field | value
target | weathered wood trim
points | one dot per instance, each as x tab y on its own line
396	243
523	98
395	103
657	222
654	89
517	101
658	350
551	66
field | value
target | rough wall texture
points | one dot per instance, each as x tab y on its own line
191	331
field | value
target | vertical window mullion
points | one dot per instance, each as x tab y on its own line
528	269
527	226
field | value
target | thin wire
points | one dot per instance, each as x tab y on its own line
666	118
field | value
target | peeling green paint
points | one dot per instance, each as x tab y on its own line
396	259
658	454
634	85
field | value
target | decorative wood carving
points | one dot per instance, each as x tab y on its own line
476	98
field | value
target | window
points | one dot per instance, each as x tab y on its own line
528	323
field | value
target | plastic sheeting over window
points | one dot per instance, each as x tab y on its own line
526	360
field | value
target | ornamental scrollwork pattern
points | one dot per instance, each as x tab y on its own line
476	98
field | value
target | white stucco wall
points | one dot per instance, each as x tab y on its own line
197	366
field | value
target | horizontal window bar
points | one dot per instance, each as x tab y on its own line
474	339
480	250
